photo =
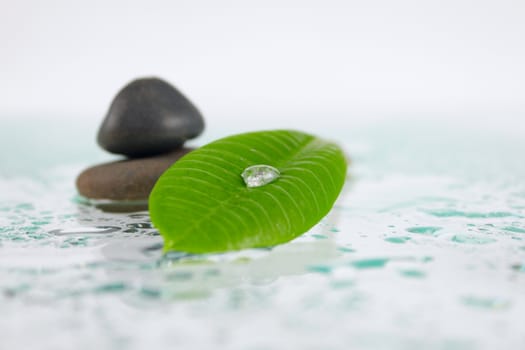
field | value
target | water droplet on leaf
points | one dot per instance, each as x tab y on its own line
259	175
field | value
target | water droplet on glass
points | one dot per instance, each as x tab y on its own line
259	175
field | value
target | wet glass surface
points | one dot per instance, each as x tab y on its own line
424	249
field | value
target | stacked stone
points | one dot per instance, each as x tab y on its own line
148	122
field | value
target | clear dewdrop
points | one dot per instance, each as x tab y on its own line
259	175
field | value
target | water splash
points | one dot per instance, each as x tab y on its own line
472	239
259	175
85	230
448	213
514	229
322	269
413	273
489	303
376	263
424	230
397	240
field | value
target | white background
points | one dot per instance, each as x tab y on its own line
269	63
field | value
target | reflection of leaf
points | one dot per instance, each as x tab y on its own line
201	203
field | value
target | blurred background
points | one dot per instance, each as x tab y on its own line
265	64
425	249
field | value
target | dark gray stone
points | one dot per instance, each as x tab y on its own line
148	117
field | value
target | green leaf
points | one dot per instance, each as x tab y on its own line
202	204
